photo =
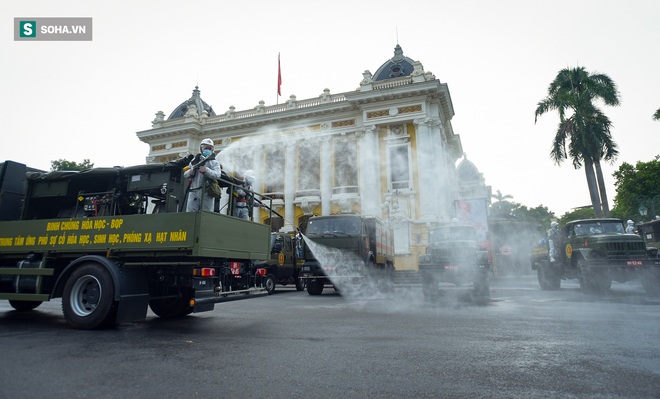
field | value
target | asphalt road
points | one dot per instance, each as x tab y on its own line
523	343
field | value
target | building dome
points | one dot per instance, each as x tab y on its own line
195	100
468	172
395	67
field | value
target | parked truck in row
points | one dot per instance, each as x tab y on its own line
453	256
348	252
111	242
285	262
596	252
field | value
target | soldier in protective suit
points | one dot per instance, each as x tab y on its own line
630	229
553	240
197	197
244	197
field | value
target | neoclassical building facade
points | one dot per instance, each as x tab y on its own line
386	149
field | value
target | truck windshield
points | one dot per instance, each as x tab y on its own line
598	227
452	233
334	225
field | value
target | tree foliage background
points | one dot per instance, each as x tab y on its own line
63	164
637	185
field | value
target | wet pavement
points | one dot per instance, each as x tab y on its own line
522	343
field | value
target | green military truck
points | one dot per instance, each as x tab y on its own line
596	252
348	251
112	242
284	265
650	233
453	256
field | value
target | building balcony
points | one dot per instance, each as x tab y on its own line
345	197
307	200
276	198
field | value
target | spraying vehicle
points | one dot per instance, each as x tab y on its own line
650	233
347	251
453	256
511	243
284	264
113	241
596	252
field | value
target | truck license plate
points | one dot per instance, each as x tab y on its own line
634	263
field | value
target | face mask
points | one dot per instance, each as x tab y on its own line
207	153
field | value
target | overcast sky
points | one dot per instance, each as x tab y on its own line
86	100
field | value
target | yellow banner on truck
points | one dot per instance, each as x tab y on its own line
174	231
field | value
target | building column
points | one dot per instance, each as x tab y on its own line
433	185
326	176
289	186
369	178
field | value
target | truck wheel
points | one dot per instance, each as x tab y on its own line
314	288
24	306
481	285
88	298
270	283
650	282
593	281
602	281
548	278
300	284
430	287
169	308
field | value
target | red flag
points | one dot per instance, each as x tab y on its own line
279	76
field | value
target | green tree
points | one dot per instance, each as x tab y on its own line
63	164
540	214
576	214
501	207
656	116
633	182
583	126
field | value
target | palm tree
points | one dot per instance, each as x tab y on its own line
498	208
583	126
500	197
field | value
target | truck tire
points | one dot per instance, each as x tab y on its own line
88	297
300	284
548	278
169	308
593	280
24	306
430	288
650	282
270	284
481	285
314	288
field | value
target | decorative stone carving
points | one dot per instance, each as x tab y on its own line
230	114
430	122
192	112
326	97
366	129
367	80
418	72
261	108
291	103
160	117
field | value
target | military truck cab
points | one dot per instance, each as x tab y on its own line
349	252
596	252
284	264
453	256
